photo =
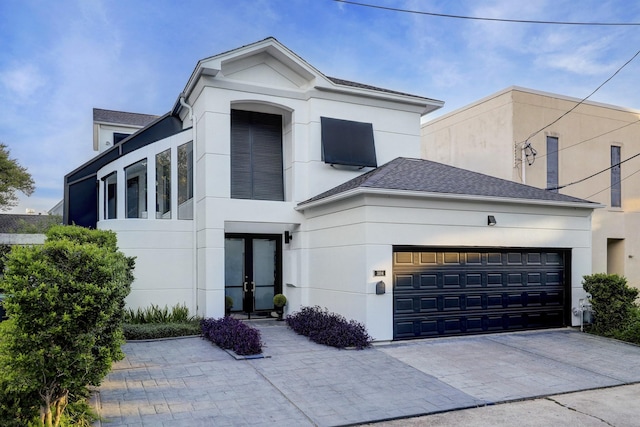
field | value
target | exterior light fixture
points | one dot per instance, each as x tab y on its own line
288	236
491	220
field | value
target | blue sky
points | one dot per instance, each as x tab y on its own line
60	59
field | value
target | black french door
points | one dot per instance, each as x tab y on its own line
253	271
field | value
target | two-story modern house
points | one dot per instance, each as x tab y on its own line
583	149
269	177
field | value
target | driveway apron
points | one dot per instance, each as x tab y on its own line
190	382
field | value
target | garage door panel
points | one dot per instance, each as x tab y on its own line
428	281
515	279
403	281
452	280
453	292
473	258
514	258
428	258
403	258
428	304
404	305
475	280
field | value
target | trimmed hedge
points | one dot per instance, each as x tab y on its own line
232	334
148	331
330	329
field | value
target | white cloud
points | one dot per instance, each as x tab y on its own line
22	81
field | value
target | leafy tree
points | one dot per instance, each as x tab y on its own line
12	177
65	301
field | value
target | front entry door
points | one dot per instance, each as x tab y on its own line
252	271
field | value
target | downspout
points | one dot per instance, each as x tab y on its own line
195	229
524	165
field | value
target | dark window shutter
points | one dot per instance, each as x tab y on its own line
256	156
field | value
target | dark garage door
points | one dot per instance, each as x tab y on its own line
439	292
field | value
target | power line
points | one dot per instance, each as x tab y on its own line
476	18
605	189
585	98
591	176
590	139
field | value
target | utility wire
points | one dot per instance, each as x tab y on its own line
585	98
590	139
591	176
476	18
605	189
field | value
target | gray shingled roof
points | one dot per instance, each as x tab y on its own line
430	177
122	117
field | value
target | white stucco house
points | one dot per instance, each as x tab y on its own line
268	176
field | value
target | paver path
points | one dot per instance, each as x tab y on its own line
190	382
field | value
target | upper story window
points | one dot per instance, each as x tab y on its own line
347	143
136	196
110	185
185	181
163	185
616	185
117	137
552	163
256	156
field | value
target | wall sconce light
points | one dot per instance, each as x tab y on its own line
491	220
288	236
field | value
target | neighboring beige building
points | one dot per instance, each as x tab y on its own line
512	135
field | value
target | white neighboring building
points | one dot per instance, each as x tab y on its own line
268	176
110	127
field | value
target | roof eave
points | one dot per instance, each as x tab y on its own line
428	105
445	196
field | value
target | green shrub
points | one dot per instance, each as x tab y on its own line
65	302
613	302
279	300
179	313
147	331
631	332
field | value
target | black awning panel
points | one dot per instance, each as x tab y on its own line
347	143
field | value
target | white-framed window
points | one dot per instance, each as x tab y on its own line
163	185
185	181
110	186
136	190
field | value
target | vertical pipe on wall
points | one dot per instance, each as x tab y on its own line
195	227
524	165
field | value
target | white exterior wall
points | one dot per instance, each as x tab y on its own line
346	241
164	272
396	133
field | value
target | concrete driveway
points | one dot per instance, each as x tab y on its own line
190	382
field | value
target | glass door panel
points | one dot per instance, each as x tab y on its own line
264	273
234	271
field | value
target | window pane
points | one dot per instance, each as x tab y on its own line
136	200
185	181
616	186
110	192
163	185
552	163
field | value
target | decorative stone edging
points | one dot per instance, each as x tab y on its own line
248	357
